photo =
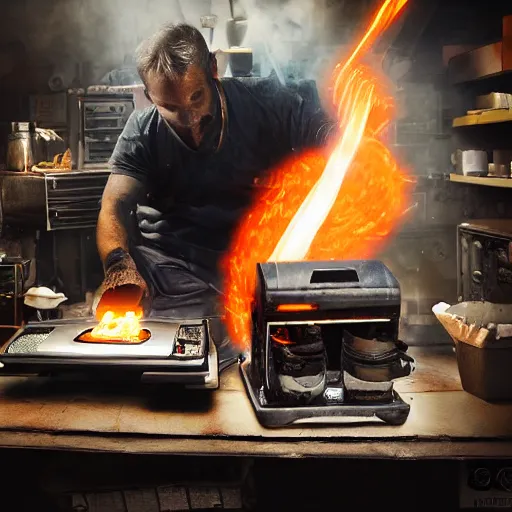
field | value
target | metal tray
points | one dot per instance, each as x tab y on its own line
394	413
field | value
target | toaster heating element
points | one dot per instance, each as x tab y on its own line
325	344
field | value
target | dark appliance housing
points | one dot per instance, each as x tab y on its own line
61	210
96	120
325	343
14	276
51	201
484	261
14	273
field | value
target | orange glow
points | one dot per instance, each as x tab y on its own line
317	208
282	336
296	307
113	327
281	341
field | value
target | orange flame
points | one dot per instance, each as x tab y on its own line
314	208
114	327
282	336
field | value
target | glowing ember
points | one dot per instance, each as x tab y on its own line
114	327
282	336
314	208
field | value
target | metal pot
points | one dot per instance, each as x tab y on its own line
22	150
28	145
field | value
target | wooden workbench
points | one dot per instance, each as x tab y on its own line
444	420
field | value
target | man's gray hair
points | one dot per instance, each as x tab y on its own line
171	51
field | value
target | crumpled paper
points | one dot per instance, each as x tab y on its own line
43	298
48	135
481	324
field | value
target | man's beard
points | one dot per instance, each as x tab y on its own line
194	134
206	121
193	131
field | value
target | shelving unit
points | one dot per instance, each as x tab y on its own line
488	182
487	117
484	70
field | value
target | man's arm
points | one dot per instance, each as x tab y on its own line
123	288
131	165
305	122
120	198
311	126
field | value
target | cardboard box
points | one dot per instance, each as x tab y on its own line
452	50
507	42
481	62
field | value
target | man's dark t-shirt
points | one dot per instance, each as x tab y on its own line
202	195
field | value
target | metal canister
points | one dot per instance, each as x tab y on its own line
502	160
471	162
21	146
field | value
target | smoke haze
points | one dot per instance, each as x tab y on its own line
60	34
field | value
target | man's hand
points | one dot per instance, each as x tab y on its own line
123	288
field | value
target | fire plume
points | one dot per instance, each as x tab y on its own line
118	328
318	208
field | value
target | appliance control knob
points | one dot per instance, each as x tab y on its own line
480	479
504	479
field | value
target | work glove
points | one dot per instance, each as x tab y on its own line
151	222
123	288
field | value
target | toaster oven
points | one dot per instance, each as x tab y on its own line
325	345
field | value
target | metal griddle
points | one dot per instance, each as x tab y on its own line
178	351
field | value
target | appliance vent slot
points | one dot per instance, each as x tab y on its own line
29	340
342	275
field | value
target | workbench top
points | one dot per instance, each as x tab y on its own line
444	420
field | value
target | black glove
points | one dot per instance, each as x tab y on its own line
123	288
